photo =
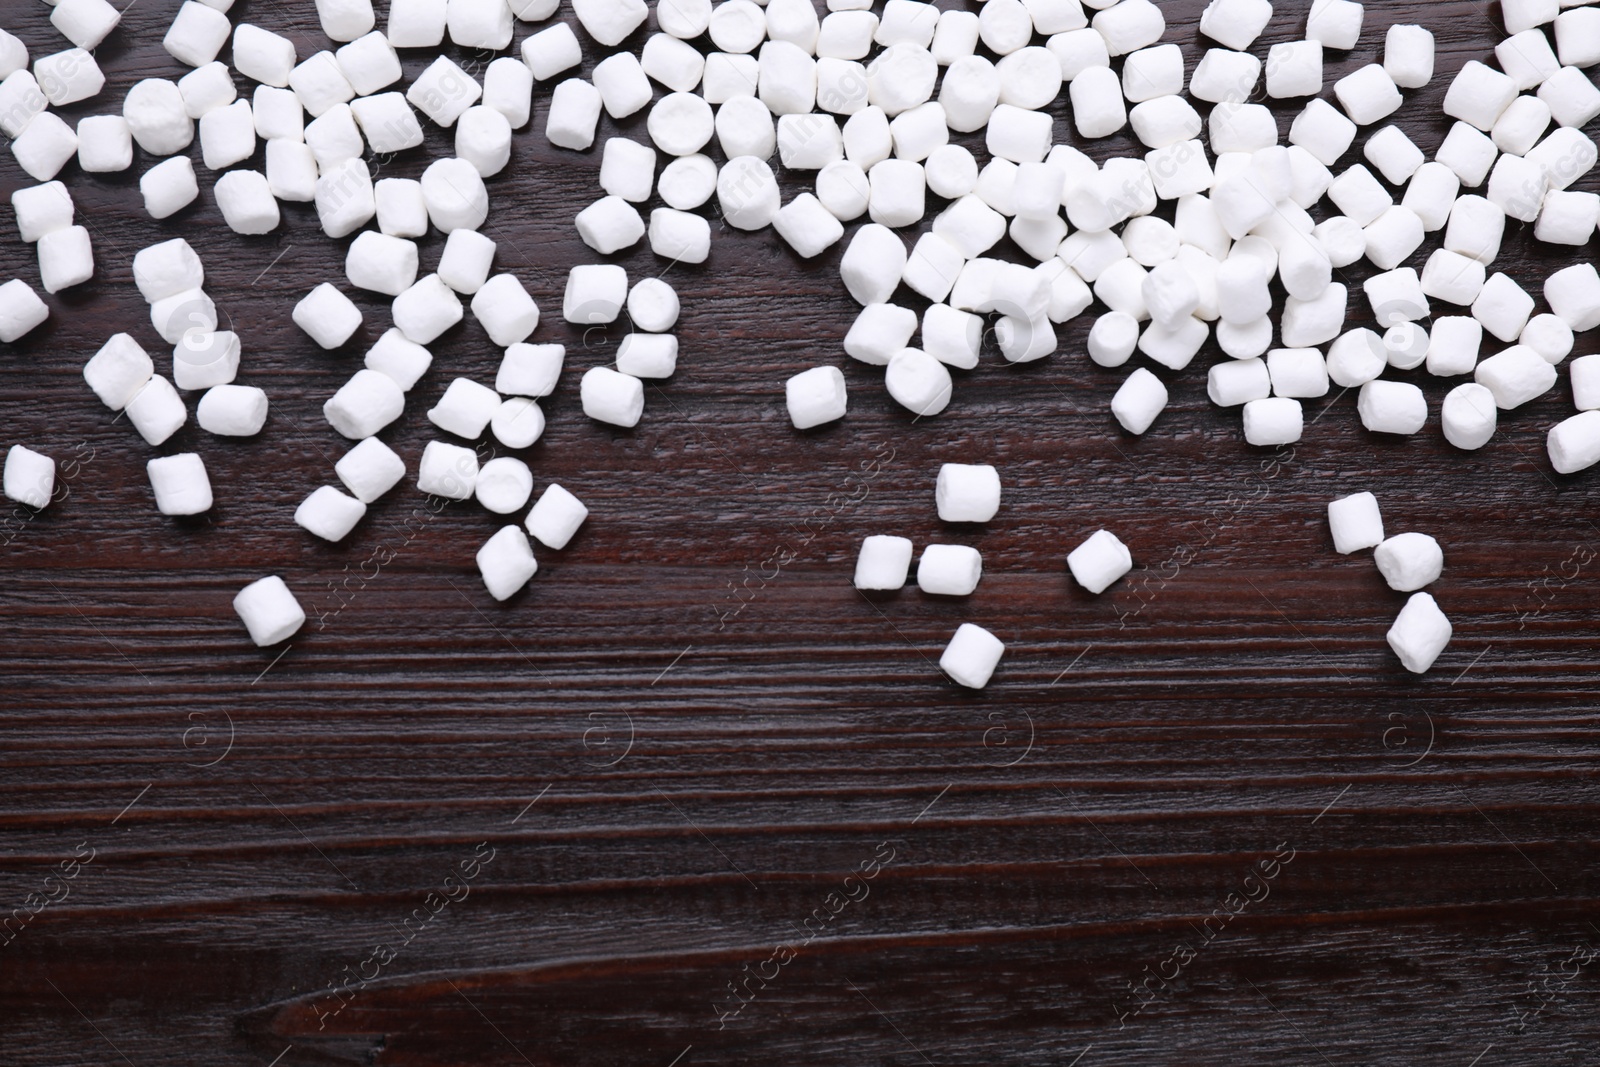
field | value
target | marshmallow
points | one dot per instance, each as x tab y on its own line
916	133
897	192
65	259
197	34
1393	153
1515	376
1224	77
648	355
594	294
42	209
1408	56
737	26
680	124
878	332
262	55
118	371
1297	372
1392	407
465	408
951	336
815	397
1006	27
1527	58
1336	23
1453	278
269	611
1396	296
674	64
609	225
204	358
1273	421
1572	98
1453	345
1355	522
728	75
1323	131
1368	94
1468	416
787	79
382	264
612	397
627	169
104	144
1294	69
622	84
551	51
683	19
1128	25
344	199
21	100
504	485
465	262
1577	37
86	22
1419	633
1517	187
969	93
508	88
13	54
291	175
329	514
1100	560
228	135
1502	306
1467	152
967	492
517	423
368	470
1567	218
388	122
949	570
175	315
365	404
1164	121
1431	192
1235	23
918	382
971	656
555	517
1475	229
1549	336
45	146
345	20
416	23
1479	95
444	91
1409	561
1586	383
277	114
402	360
1139	399
1247	341
480	24
1359	196
1574	443
883	562
1520	15
1393	236
807	226
1521	125
232	410
873	264
448	471
1024	136
505	310
1097	109
609	21
1573	293
30	477
529	370
156	411
455	194
1238	381
747	193
327	316
207	88
506	561
319	83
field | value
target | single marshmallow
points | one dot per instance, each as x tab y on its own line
328	316
815	397
555	517
30	477
1355	522
680	236
1468	416
622	83
44	146
506	311
747	193
1453	345
1479	95
627	169
207	88
1396	296
277	113
609	21
595	293
369	470
20	310
653	305
382	264
365	404
1224	77
1572	98
455	195
320	83
1392	407
918	382
648	355
504	485
551	51
508	88
21	99
1140	398
971	656
1419	633
118	371
518	422
1549	336
86	22
612	397
1099	561
232	410
291	175
197	34
387	121
245	198
1573	293
1294	69
329	514
951	336
344	200
949	570
1273	421
1238	381
66	258
204	358
1502	306
42	209
529	370
444	91
1567	218
403	360
967	492
1515	376
1574	444
1336	23
269	611
883	562
466	260
506	561
448	471
610	224
807	226
157	411
105	144
262	55
873	264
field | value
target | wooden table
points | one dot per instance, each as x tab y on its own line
691	799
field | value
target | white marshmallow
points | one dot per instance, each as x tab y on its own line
369	470
1419	633
345	20
1453	345
455	194
204	358
403	360
1479	95
612	397
1097	108
1586	383
66	258
45	146
333	138
1453	278
1405	345
728	75
949	570
42	209
1099	561
1568	218
320	83
529	370
444	91
269	611
1515	376
1431	193
21	100
652	305
622	84
1521	125
1235	23
1140	398
517	423
118	371
1238	381
1336	23
30	477
1273	421
86	22
329	514
104	144
967	492
555	517
1574	444
1468	416
480	24
807	226
883	562
971	656
1297	372
156	411
1475	229
387	121
382	264
1392	407
1393	153
1517	187
1573	293
951	336
1572	98
504	485
609	21
197	34
262	55
1224	77
344	199
1323	131
1024	136
291	175
918	382
508	88
648	355
1006	27
465	409
1294	69
627	169
232	410
873	264
448	471
365	404
684	19
416	23
551	51
1396	296
465	262
747	193
327	316
175	315
505	310
815	397
506	561
1502	306
207	88
595	293
277	113
679	235
1128	25
609	225
1393	236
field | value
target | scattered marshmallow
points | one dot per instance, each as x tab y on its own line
504	485
1099	561
1468	416
232	410
365	404
506	561
883	562
555	517
448	471
1420	633
269	610
1574	443
465	409
30	477
971	656
612	397
813	397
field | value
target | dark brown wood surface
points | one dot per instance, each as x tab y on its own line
662	763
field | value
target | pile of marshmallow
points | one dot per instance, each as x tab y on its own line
1407	561
868	101
970	493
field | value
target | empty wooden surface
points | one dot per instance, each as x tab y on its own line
435	829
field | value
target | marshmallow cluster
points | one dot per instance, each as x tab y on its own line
1407	562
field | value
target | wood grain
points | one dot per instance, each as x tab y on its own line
680	751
